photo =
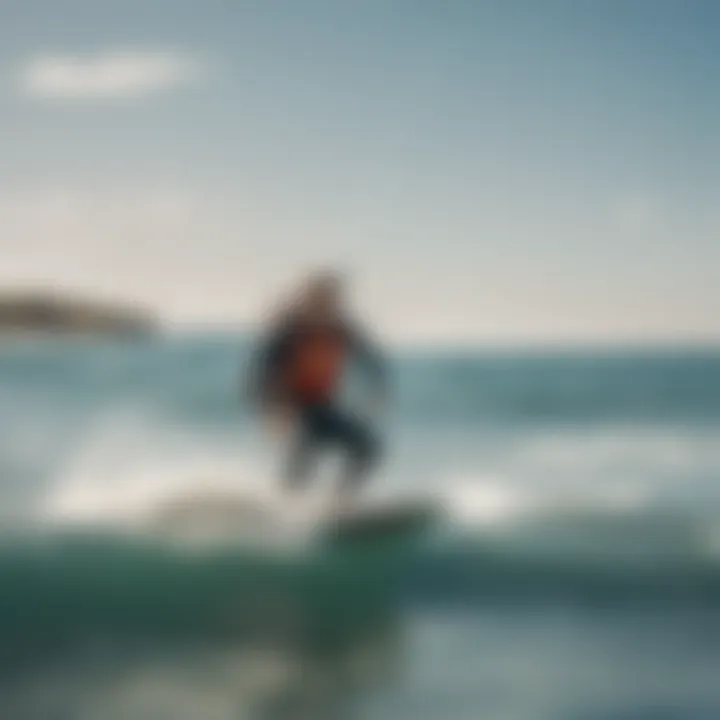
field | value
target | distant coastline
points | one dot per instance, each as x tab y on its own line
44	313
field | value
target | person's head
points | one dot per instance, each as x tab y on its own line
322	295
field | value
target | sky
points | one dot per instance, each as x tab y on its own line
488	171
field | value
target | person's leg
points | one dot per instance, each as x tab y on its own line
359	443
303	450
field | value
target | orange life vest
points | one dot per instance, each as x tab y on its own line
316	365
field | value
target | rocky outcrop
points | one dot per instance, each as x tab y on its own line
46	313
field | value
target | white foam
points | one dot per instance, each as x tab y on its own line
622	470
488	502
650	451
138	475
496	502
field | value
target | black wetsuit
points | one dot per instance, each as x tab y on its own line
299	366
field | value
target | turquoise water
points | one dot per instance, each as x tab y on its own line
576	576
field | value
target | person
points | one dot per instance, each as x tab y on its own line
296	374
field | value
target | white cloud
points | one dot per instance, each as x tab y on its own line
109	76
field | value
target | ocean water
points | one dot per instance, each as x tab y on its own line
575	576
